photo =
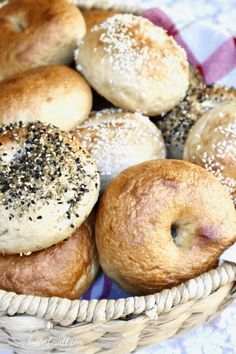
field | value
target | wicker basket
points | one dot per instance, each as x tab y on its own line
32	324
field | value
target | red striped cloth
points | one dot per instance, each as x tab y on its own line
213	51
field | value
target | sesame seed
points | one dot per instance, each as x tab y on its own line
45	167
199	99
113	138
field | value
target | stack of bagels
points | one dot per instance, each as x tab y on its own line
113	153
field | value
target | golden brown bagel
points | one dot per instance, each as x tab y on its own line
35	33
51	94
141	207
211	143
94	17
65	270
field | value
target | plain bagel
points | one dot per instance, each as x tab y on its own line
35	33
39	274
52	94
161	223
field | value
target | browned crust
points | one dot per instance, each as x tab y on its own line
29	95
34	33
65	270
135	216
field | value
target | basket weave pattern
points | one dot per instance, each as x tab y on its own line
112	326
32	324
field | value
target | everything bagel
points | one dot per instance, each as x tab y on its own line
48	186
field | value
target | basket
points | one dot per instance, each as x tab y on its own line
33	324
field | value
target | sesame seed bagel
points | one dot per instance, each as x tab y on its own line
52	94
134	64
161	223
117	140
176	124
65	270
48	186
211	143
35	33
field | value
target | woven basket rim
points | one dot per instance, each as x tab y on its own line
65	311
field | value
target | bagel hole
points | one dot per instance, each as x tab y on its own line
174	231
18	23
183	232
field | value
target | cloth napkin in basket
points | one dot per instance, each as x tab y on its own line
210	43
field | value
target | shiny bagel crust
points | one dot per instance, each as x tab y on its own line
35	33
65	270
140	208
52	94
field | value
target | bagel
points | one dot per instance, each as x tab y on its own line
134	64
117	140
36	33
161	223
196	80
176	124
48	186
211	143
65	270
94	17
56	95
